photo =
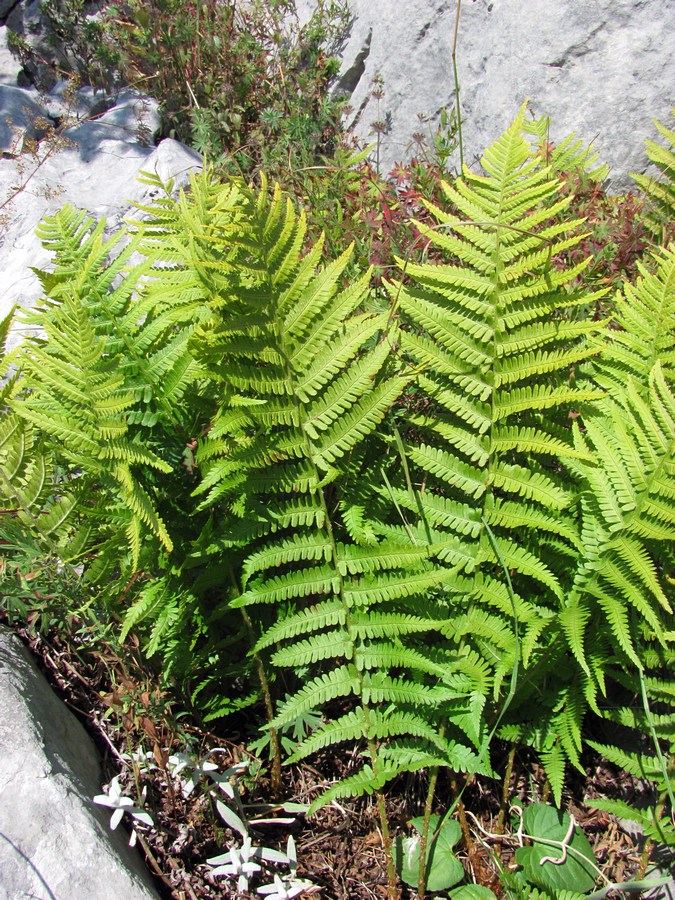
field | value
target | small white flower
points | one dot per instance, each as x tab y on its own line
239	865
228	781
144	760
284	890
178	762
114	799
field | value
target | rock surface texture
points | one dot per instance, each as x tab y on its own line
55	844
603	70
93	164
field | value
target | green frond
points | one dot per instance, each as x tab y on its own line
441	512
340	682
344	392
617	618
645	316
355	560
449	469
314	618
362	782
301	312
638	765
350	727
380	588
360	421
661	193
387	656
526	563
332	323
573	620
331	359
554	762
514	515
373	725
357	524
298	548
531	485
302	583
150	599
375	624
570	155
330	645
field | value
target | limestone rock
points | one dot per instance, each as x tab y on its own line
93	166
22	118
603	70
10	66
54	842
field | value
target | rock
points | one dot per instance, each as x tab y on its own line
6	6
26	20
94	166
22	118
10	66
54	841
599	69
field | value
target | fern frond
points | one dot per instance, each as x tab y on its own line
329	645
661	193
645	316
340	682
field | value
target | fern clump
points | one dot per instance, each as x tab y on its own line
422	526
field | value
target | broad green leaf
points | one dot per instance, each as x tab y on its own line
556	861
472	892
443	868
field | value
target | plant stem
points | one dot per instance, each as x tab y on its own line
392	885
645	856
269	707
456	79
424	840
505	790
464	825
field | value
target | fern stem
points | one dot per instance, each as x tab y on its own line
508	772
414	494
424	839
666	770
458	804
269	707
645	856
456	80
392	885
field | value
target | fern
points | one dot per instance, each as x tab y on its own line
661	193
492	328
401	510
644	332
291	430
568	156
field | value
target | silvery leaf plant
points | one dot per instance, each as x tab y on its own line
242	861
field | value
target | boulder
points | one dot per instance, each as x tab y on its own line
22	119
94	165
54	841
601	69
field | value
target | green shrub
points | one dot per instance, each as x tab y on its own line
244	83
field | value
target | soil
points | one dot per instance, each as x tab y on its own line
340	848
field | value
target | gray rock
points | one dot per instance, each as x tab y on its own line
6	6
95	167
599	69
27	21
22	118
54	841
9	64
